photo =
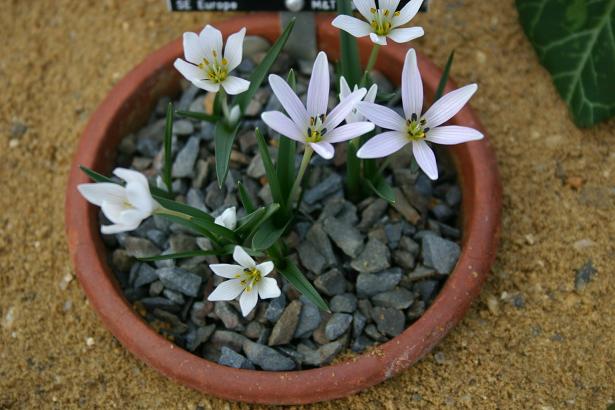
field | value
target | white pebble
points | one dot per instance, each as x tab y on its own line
89	341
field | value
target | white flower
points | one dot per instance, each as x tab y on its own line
313	125
345	92
246	279
228	218
384	21
417	128
210	68
125	206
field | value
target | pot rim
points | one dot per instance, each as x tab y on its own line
481	192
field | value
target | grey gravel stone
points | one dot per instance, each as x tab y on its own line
337	325
309	319
184	162
311	258
275	308
196	199
323	355
427	289
227	314
140	248
284	329
319	239
174	296
253	330
421	272
160	303
183	127
182	243
416	310
358	324
345	236
180	280
372	331
143	275
393	233
440	253
372	214
453	196
584	275
370	284
404	259
331	283
231	358
229	339
408	245
256	169
361	343
374	258
156	288
198	336
398	298
199	311
325	188
266	357
389	321
214	197
344	303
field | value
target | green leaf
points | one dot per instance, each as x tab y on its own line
245	198
260	72
381	188
168	154
182	255
198	116
353	171
272	176
267	235
223	139
444	78
291	79
193	225
296	278
349	50
286	165
251	222
575	41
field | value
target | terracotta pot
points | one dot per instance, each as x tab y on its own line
127	108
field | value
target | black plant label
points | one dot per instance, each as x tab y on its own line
258	5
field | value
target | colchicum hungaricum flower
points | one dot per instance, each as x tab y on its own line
315	126
383	21
345	92
417	128
207	67
228	218
246	279
125	206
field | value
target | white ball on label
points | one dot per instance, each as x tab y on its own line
295	5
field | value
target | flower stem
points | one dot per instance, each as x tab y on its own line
165	211
373	57
224	103
307	155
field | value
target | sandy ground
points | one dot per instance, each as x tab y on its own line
58	59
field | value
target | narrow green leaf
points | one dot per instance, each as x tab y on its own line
382	189
168	154
444	77
286	165
349	50
192	225
267	235
182	255
293	274
272	176
291	79
260	72
245	198
95	176
223	139
183	208
198	116
353	171
249	224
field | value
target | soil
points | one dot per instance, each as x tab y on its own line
554	350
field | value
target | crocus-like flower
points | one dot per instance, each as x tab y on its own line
384	21
228	218
207	67
246	279
125	206
417	128
314	125
345	92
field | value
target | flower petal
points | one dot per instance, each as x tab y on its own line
318	90
228	218
140	197
324	149
390	5
207	85
382	116
268	288
226	270
453	134
383	145
412	86
289	100
407	13
446	107
345	90
113	211
241	257
193	51
425	158
132	217
131	176
227	290
248	300
97	193
283	125
371	94
233	52
352	25
349	131
189	71
211	40
117	228
381	40
403	35
345	107
265	268
365	7
235	85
